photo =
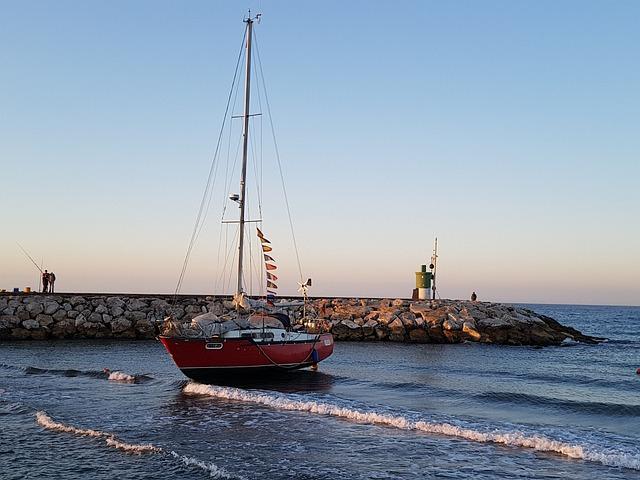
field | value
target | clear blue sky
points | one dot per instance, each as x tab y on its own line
508	129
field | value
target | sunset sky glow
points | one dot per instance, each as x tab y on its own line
509	130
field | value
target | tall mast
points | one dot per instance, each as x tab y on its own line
245	143
434	262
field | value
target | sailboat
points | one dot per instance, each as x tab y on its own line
258	339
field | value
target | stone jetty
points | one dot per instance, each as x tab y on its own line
50	316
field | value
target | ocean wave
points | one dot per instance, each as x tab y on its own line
12	408
111	440
121	377
213	470
600	408
131	447
47	422
9	367
509	438
115	375
67	372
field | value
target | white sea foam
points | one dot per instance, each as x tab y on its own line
213	470
131	447
515	438
111	440
121	377
46	421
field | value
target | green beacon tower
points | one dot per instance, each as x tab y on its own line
423	283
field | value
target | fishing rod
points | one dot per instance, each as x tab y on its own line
29	256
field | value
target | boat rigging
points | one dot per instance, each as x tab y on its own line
257	336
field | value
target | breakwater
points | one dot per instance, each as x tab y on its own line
49	316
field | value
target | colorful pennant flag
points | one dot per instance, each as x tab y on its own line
261	236
268	266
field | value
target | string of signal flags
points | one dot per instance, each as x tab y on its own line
269	265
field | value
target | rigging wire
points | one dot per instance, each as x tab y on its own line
223	273
277	152
225	229
211	176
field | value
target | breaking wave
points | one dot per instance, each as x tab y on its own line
115	375
509	438
47	422
111	440
213	470
121	377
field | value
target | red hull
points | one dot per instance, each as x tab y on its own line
243	356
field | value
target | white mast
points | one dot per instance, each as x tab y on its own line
434	262
245	143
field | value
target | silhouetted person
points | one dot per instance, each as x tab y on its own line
474	297
52	280
45	282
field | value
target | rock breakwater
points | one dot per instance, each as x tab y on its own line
42	316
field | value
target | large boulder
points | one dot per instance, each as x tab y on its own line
145	329
386	318
63	329
408	320
34	309
397	331
11	320
77	300
113	302
369	328
120	325
44	320
470	332
418	335
136	304
51	307
382	332
138	316
452	323
79	320
347	330
31	324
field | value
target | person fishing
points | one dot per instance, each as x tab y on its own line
45	281
52	281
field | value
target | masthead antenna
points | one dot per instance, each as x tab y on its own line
255	18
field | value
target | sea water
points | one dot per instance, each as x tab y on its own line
374	410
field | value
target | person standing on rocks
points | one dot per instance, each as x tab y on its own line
52	280
474	297
45	281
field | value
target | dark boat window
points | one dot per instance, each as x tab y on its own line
213	346
264	336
